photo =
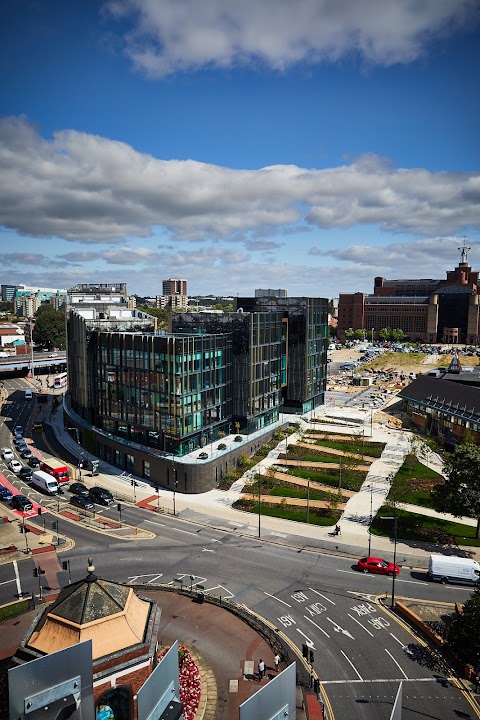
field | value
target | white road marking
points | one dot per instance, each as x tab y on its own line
412	582
359	623
354	572
17	576
317	626
337	628
378	680
187	532
398	641
5	582
276	598
277	534
362	596
396	663
309	642
323	596
353	666
230	522
207	550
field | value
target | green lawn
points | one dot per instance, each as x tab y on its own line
412	526
318	516
352	481
370	449
285	491
412	468
305	455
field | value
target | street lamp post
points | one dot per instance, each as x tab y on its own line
371	520
308	500
259	480
174	487
395	519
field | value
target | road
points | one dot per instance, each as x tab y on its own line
360	651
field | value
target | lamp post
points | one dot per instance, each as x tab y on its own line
174	472
395	519
259	480
371	520
308	500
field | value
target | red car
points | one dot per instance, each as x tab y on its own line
377	565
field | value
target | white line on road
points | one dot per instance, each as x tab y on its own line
317	626
359	623
187	532
275	598
323	596
277	534
378	680
17	577
412	582
396	663
5	582
353	572
337	628
309	642
353	666
398	641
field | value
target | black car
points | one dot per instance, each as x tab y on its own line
18	430
26	453
33	461
79	489
5	493
101	496
26	473
22	503
81	502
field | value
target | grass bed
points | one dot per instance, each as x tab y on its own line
317	516
412	468
412	526
371	449
304	455
352	481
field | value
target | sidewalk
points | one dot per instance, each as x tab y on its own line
214	508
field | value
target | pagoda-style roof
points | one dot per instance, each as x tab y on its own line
109	614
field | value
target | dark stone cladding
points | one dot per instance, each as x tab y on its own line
192	476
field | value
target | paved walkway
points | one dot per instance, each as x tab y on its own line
214	508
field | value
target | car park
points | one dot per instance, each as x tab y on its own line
101	496
34	462
79	489
377	565
15	466
22	503
26	472
5	493
7	454
25	452
82	502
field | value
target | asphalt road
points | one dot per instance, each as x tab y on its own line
360	651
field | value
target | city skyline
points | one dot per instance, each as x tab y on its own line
268	145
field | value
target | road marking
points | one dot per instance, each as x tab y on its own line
276	598
396	663
187	532
5	582
317	626
238	525
337	628
378	680
132	578
359	623
309	642
398	641
354	572
207	550
363	596
353	666
412	582
277	534
17	576
323	596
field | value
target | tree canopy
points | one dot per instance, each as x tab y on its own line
464	632
49	330
460	494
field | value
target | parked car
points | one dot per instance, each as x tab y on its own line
22	503
101	496
26	472
7	454
79	489
52	355
34	462
26	453
15	466
18	430
82	502
19	442
377	565
5	493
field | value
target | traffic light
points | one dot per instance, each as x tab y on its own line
64	565
119	507
21	528
316	686
54	524
311	657
35	572
39	511
305	650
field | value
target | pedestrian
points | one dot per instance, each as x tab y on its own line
261	669
276	660
337	530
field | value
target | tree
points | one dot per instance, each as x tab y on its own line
384	333
49	329
397	335
460	494
360	334
349	333
464	632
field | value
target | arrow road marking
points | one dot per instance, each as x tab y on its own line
323	596
309	642
317	626
362	596
132	578
337	628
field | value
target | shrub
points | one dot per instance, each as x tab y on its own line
238	438
222	446
203	455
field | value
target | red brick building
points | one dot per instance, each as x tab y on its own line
431	311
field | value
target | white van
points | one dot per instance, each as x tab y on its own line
44	482
446	569
28	395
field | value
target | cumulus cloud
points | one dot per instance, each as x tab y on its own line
168	36
85	187
25	258
79	257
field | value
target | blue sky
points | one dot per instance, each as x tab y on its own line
309	145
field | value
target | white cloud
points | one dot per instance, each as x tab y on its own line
89	188
169	36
